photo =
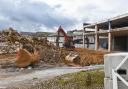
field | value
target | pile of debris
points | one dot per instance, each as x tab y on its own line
50	55
9	41
90	57
36	49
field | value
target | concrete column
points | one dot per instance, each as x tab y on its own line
87	41
83	38
109	42
57	39
109	37
96	38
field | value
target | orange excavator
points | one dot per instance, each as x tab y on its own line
68	40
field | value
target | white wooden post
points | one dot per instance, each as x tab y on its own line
115	75
115	84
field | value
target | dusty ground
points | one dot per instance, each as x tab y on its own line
9	70
88	57
25	81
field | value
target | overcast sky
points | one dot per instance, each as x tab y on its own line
47	15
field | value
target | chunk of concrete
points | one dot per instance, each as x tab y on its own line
73	57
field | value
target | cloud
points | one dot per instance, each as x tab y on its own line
47	15
31	15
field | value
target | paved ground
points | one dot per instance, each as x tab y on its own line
43	74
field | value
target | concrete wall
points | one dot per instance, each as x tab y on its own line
53	39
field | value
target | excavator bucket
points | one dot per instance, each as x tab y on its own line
25	58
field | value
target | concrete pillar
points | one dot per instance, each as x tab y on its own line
57	39
83	38
96	38
109	37
87	41
109	42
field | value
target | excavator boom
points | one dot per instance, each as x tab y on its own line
68	41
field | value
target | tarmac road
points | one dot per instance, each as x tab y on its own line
43	74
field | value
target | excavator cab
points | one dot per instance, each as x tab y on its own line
69	43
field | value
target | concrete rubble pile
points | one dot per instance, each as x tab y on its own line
35	51
47	52
50	55
90	57
9	41
43	51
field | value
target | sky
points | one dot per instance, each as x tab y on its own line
48	15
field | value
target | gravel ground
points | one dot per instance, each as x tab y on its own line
28	79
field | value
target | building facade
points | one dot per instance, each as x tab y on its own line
112	33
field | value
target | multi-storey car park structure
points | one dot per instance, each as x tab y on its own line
114	30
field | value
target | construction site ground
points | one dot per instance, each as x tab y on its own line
26	81
8	70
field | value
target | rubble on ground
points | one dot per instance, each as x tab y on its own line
6	64
73	57
50	55
13	41
90	57
48	52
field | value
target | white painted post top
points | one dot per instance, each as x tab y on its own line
117	54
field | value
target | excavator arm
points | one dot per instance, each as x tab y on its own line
68	41
61	30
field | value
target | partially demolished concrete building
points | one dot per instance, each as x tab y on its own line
115	30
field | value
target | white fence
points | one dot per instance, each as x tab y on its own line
116	67
116	75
